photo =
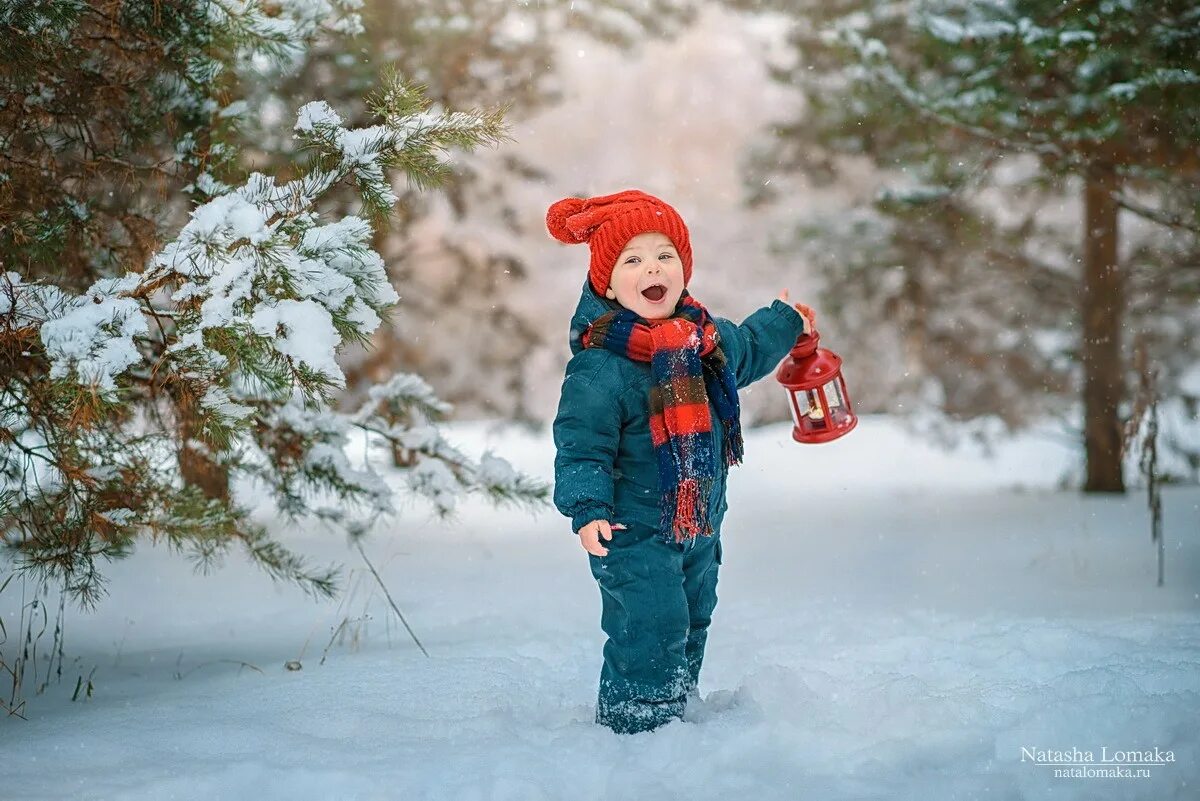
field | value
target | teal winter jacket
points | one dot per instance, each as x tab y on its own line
605	467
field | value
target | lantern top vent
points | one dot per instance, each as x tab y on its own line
810	365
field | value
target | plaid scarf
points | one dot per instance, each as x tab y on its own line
688	370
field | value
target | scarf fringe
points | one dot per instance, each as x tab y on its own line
733	443
685	510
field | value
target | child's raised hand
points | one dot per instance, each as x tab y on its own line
806	312
589	536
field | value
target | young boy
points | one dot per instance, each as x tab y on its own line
647	426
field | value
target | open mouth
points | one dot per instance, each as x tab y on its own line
654	293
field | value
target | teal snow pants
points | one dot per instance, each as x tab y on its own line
657	602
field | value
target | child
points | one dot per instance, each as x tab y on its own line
646	429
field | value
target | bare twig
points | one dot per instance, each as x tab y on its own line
217	661
399	614
1154	215
1145	408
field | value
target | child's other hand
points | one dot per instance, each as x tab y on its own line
810	316
589	536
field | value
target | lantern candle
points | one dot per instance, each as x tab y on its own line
816	415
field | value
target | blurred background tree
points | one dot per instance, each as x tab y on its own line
1037	203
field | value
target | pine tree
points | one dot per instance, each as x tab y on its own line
123	357
988	117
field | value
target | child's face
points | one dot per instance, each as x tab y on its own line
649	260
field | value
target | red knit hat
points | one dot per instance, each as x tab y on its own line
608	222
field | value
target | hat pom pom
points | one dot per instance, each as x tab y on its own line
556	221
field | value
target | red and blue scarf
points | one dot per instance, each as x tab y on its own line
688	370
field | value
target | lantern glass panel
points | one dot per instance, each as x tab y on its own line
803	401
833	395
799	407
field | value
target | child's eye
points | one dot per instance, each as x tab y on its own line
631	259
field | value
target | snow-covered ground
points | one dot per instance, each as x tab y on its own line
895	622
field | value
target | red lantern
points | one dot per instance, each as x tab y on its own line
817	394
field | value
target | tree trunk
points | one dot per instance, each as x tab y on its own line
199	471
195	466
1103	374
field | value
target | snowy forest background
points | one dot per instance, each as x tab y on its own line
276	271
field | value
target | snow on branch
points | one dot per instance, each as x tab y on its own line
91	338
948	104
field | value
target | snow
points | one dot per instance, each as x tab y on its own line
318	112
916	194
434	480
92	337
948	30
235	109
225	219
496	470
362	145
1071	37
308	334
217	399
1189	382
894	622
1125	90
404	390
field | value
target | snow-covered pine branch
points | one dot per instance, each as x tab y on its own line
239	319
1093	73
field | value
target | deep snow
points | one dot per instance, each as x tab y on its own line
895	622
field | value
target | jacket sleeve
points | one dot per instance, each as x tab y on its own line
756	347
587	430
